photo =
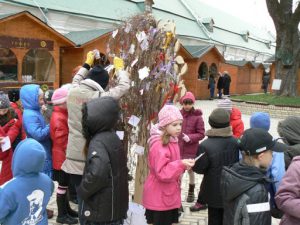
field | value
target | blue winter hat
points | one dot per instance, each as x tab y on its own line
260	120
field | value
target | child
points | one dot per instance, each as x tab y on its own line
15	103
244	184
10	127
277	169
161	195
59	134
289	129
23	200
220	149
32	98
104	185
192	132
235	117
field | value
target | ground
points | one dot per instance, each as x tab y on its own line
190	218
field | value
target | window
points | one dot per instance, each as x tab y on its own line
213	69
38	65
203	71
8	65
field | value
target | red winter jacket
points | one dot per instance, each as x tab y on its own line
10	129
236	122
20	117
59	132
193	127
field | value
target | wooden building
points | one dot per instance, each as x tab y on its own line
30	51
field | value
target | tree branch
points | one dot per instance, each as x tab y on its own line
296	15
275	12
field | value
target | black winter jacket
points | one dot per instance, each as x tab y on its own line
245	196
104	186
220	149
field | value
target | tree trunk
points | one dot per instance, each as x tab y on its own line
287	60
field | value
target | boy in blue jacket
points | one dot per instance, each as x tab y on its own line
23	199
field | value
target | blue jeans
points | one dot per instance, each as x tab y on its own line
212	91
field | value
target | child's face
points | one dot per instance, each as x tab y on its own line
187	106
265	159
174	129
3	111
41	100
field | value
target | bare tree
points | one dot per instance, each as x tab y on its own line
287	55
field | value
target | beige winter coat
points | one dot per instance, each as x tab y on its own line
83	91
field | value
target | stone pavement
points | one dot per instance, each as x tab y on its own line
190	218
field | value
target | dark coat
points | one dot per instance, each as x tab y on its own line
226	81
104	186
241	186
211	82
220	83
220	149
192	126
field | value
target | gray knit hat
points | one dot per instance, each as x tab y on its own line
225	104
219	118
4	101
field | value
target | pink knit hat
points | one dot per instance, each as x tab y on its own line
59	96
188	95
168	114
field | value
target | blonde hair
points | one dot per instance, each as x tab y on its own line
165	136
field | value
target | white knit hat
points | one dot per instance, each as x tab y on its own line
225	104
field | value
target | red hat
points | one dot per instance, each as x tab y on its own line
188	95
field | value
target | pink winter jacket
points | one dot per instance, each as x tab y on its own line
288	194
162	186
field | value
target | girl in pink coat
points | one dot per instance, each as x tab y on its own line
161	196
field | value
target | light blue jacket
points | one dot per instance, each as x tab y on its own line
34	123
23	199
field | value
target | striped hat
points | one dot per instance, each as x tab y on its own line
225	104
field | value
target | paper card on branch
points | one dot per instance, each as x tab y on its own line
134	120
141	91
114	34
132	49
276	84
128	28
6	144
145	45
109	68
143	73
134	62
138	149
132	83
0	166
120	134
141	36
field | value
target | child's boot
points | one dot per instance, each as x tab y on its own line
63	217
70	211
191	196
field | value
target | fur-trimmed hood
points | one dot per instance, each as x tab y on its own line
219	132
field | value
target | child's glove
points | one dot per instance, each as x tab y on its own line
186	138
90	56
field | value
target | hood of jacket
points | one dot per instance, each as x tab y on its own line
240	178
235	114
193	111
219	132
28	158
100	114
290	129
29	95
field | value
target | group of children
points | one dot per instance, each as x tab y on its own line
243	182
79	145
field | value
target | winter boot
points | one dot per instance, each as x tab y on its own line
191	196
63	217
197	207
70	211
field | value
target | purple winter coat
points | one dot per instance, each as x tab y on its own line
288	194
192	126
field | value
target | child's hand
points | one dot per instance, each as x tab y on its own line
186	138
44	108
189	163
